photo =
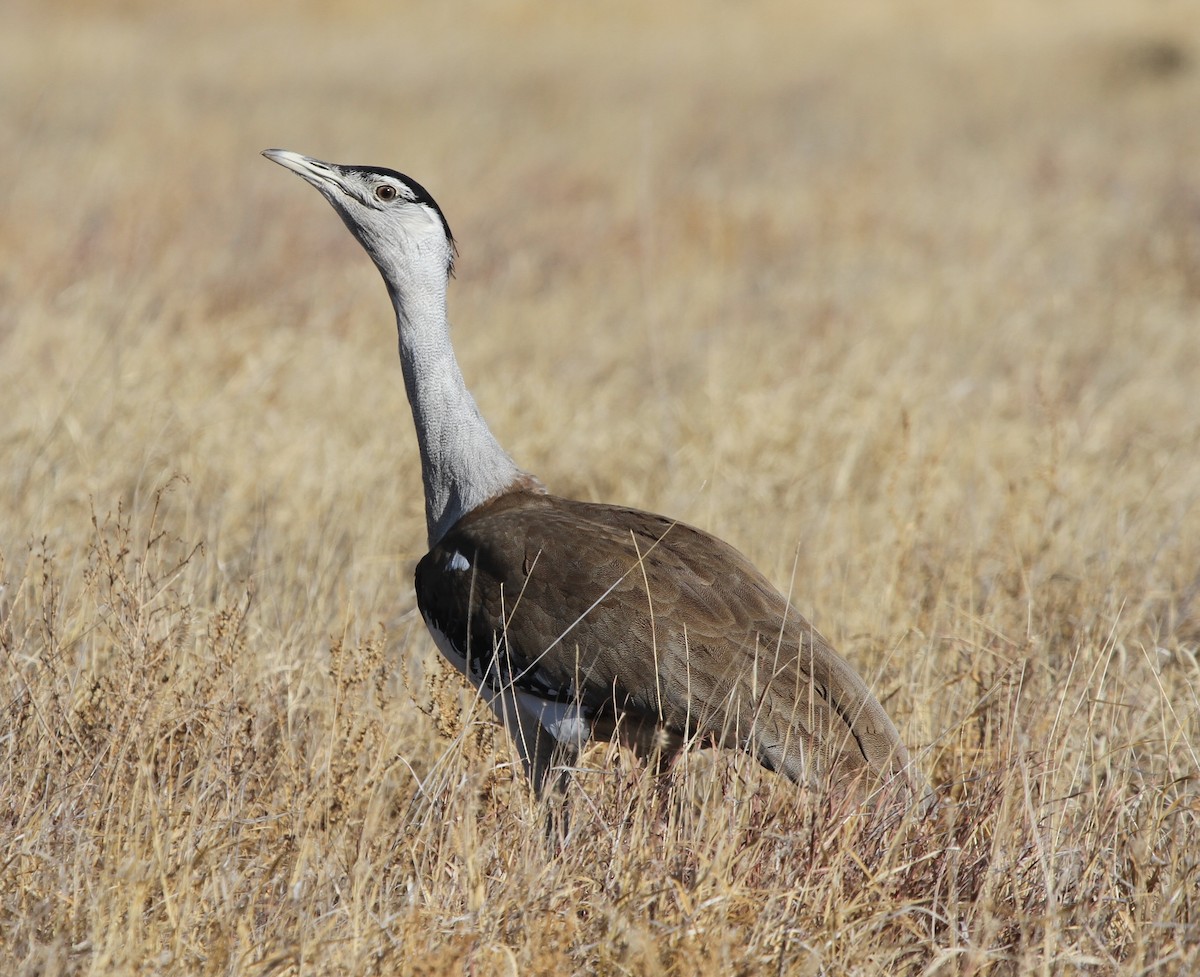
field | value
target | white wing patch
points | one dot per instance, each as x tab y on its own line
565	721
458	562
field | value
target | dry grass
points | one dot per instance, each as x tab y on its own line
904	303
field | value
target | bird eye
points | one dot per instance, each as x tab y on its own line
385	192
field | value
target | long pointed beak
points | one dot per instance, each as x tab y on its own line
323	176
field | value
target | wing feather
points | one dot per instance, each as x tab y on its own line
629	613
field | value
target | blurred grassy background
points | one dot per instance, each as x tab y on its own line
901	299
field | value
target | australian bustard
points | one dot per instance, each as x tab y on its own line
577	620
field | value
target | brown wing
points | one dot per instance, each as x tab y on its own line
630	614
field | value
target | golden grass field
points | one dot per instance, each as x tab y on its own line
902	300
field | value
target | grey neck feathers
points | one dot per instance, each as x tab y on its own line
462	464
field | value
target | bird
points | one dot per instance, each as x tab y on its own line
576	620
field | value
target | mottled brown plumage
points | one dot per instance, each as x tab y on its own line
576	620
648	623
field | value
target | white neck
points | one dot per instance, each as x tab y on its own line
462	464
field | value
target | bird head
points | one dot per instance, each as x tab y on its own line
393	217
